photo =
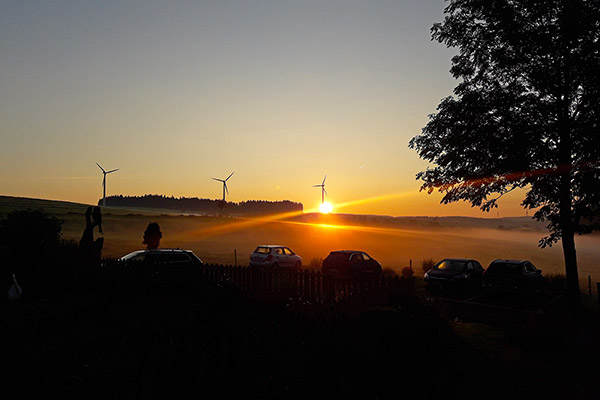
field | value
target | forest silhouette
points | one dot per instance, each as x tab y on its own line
204	206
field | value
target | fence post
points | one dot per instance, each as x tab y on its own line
235	256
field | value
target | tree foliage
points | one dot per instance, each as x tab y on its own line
152	236
525	113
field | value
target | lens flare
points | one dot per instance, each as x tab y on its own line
325	207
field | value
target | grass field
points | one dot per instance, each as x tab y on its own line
393	241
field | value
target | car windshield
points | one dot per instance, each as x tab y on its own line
451	265
262	250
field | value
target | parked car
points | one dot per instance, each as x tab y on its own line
513	276
454	274
351	263
275	256
164	257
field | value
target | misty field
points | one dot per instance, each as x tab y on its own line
217	239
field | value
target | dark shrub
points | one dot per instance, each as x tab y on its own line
407	272
427	264
316	262
152	236
31	248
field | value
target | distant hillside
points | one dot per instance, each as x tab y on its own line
9	203
386	221
204	206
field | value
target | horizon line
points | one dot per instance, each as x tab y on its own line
308	212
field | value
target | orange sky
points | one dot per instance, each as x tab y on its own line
282	93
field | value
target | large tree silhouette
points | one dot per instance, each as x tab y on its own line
524	115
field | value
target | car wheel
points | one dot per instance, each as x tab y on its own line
298	264
275	265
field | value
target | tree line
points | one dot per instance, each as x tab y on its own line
209	206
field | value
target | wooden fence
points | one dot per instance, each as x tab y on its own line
295	285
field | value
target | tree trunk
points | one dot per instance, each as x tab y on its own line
570	255
567	229
565	158
566	222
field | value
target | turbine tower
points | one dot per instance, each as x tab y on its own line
323	191
222	204
104	182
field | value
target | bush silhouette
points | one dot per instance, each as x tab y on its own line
32	249
25	230
407	272
152	236
316	262
427	264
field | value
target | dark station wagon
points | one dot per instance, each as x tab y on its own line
513	276
172	258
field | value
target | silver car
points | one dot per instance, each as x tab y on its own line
275	256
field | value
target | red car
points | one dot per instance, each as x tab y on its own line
352	264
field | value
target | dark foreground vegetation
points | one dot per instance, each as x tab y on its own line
82	332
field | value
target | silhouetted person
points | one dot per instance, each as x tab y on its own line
90	249
152	236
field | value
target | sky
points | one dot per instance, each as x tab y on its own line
174	93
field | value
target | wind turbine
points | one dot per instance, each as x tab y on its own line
323	191
104	182
222	204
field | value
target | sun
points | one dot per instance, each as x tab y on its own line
325	208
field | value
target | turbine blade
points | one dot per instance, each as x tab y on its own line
227	190
230	175
325	191
100	167
112	170
220	180
316	186
324	180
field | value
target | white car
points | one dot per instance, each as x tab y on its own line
275	256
